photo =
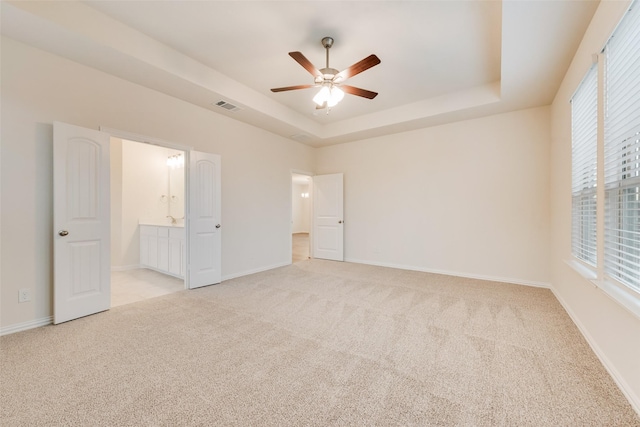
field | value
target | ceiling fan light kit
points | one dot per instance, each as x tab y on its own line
329	95
330	80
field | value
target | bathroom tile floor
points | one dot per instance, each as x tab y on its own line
300	247
140	284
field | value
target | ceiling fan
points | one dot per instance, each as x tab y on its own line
331	80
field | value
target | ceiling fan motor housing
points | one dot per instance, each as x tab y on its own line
327	75
327	42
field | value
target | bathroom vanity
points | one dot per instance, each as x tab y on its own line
162	248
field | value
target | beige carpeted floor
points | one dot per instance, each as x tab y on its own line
317	343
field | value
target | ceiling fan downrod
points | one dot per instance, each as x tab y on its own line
327	42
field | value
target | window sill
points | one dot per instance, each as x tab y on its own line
588	273
621	294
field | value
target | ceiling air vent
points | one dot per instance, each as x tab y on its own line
227	106
300	137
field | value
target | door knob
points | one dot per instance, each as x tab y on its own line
217	225
63	233
340	222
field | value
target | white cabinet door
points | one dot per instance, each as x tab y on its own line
176	246
145	232
153	251
163	248
81	197
328	225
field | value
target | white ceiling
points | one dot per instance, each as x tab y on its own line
442	61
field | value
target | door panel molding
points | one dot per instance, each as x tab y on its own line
328	222
204	225
81	215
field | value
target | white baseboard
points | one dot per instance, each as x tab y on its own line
18	327
256	270
455	273
125	267
633	399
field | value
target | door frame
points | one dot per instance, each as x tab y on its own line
310	175
143	139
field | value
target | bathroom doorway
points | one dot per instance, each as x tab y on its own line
148	242
300	217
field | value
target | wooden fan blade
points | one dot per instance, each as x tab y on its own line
282	89
358	92
302	60
358	67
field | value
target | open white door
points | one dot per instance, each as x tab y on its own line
328	226
204	220
81	197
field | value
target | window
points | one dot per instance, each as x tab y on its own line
584	144
613	262
622	152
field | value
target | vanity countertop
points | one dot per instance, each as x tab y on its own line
160	223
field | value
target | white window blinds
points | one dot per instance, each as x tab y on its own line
584	143
622	152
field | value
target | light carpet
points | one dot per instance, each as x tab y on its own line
318	343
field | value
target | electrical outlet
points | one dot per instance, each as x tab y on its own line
24	295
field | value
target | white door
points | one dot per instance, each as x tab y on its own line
204	220
81	223
328	225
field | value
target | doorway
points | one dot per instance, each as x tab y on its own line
300	217
82	218
147	221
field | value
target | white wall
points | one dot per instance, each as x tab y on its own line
612	331
145	180
145	196
300	208
468	198
39	88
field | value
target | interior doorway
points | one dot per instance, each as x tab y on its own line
82	211
300	216
148	241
